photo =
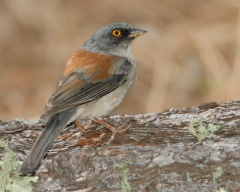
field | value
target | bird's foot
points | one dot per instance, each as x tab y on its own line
114	130
82	127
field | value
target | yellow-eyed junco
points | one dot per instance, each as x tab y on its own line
95	81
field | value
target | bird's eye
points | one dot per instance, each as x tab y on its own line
116	33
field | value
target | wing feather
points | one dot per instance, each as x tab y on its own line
78	89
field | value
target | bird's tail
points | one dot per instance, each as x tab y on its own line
49	134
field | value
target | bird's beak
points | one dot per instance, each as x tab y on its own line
136	33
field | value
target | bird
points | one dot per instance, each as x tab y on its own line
95	81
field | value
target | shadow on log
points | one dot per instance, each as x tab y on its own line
155	153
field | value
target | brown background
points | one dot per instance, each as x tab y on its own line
190	54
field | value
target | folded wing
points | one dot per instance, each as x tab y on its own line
82	85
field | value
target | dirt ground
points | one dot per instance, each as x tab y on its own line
190	54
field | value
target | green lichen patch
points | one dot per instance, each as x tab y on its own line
201	130
10	179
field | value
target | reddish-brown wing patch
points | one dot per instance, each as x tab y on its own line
94	65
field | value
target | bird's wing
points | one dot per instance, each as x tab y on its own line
88	76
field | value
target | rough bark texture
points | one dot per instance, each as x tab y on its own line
155	153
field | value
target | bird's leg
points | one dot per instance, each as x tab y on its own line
82	128
114	130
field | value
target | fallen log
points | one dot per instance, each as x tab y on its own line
154	152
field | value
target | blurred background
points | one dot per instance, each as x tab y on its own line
190	55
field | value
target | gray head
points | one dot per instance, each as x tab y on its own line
113	39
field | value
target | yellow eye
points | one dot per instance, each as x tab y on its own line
116	33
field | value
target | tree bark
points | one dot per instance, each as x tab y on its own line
153	152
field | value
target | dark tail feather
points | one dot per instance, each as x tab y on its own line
44	141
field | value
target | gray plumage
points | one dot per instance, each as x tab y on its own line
91	87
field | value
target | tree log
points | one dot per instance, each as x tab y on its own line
153	152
